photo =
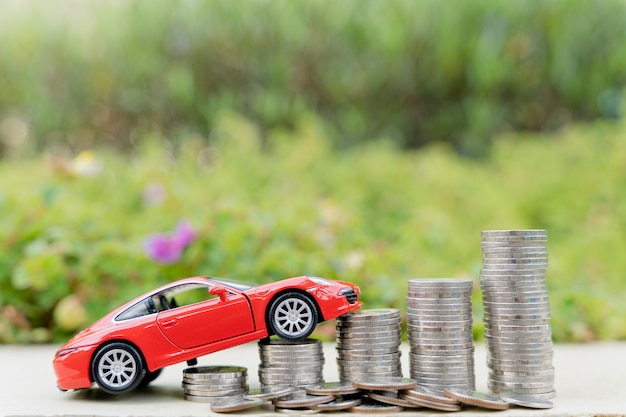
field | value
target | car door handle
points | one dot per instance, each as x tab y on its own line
169	323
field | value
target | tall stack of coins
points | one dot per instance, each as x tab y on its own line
298	363
368	345
208	384
517	313
440	333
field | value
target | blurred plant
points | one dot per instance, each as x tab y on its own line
73	245
413	72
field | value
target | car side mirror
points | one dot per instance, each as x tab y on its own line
219	291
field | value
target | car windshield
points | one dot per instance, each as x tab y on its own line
238	285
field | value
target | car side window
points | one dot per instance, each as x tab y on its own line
182	295
142	308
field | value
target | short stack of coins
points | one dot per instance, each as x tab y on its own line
439	313
517	312
299	363
208	384
368	345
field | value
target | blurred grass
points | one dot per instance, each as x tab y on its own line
415	72
71	238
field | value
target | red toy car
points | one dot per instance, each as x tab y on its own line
192	317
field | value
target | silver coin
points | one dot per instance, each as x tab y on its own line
443	364
235	404
385	384
515	241
426	377
526	401
352	376
489	322
513	232
333	388
440	329
427	346
337	405
546	383
435	358
361	345
216	393
521	384
347	355
477	399
270	392
293	359
520	360
440	368
214	381
303	401
429	322
439	293
516	299
375	408
512	291
513	250
368	367
384	334
201	399
199	387
510	288
497	353
498	387
214	372
377	351
276	350
513	363
491	271
370	314
524	381
520	337
543	396
515	276
300	383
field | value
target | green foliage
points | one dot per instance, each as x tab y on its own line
71	238
77	73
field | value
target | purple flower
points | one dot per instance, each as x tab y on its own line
168	248
184	234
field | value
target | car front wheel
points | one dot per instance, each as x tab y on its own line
118	368
292	316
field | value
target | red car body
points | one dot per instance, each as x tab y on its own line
239	313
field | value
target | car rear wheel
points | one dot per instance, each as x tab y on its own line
149	377
292	316
118	368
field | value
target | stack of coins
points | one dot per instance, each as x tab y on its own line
517	313
368	345
208	384
298	363
440	333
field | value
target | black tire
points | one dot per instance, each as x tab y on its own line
292	316
149	377
117	368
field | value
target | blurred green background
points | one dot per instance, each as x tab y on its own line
367	141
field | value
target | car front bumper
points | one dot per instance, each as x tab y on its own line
71	367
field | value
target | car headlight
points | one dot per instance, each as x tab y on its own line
64	352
